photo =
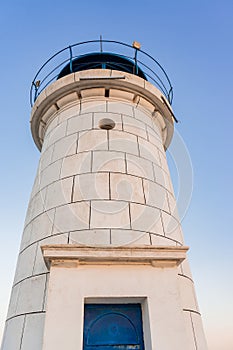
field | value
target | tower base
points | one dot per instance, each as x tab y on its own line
118	275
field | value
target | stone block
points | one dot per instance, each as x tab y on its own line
120	107
90	237
42	226
51	124
169	184
35	188
129	237
91	186
65	147
67	99
78	123
59	193
31	295
122	141
189	331
185	268
46	158
172	227
38	203
126	187
156	195
67	113
121	94
72	217
173	206
153	89
199	332
50	174
163	179
26	236
92	140
57	133
144	117
139	167
41	132
76	164
154	137
109	214
93	92
134	126
60	84
160	175
158	124
40	266
162	240
144	218
163	161
108	161
149	151
13	301
25	263
94	105
116	117
50	114
144	103
93	73
187	293
13	333
45	142
33	332
40	98
29	213
134	79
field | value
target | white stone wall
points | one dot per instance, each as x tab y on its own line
105	180
95	187
163	324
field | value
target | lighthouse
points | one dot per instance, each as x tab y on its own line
102	263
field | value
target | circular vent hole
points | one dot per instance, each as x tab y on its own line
106	124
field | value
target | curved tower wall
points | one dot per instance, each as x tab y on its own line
97	187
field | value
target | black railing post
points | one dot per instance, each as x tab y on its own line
136	61
71	59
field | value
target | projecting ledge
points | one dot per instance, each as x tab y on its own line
67	255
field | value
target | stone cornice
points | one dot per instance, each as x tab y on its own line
67	255
74	87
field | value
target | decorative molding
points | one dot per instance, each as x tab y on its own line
67	255
150	97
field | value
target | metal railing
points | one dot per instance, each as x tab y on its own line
151	68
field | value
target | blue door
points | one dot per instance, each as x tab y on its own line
113	326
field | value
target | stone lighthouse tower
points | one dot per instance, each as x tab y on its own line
102	263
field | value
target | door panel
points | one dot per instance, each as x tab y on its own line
113	326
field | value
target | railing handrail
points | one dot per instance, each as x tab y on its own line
160	78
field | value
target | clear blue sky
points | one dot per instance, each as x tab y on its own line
193	42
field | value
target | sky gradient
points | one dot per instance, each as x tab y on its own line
193	42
